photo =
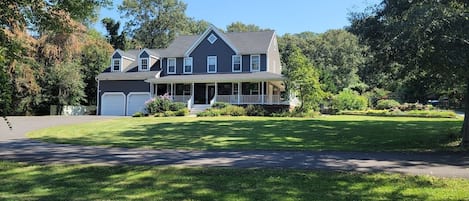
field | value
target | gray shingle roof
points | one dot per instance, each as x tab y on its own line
128	75
245	42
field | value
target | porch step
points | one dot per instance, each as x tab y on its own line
197	108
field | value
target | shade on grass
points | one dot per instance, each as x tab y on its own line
347	133
21	181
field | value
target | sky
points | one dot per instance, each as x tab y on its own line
290	16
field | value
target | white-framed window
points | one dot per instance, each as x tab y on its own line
212	38
171	66
188	65
255	63
236	62
144	64
116	64
211	64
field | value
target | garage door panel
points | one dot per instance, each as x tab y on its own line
113	104
136	102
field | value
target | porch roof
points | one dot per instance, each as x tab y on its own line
128	75
228	77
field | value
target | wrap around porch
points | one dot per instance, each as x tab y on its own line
238	89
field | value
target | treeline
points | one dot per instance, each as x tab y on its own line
405	50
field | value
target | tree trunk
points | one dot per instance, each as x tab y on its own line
465	125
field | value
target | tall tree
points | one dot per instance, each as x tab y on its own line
155	23
117	40
241	27
303	80
422	36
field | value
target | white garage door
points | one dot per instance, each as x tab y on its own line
113	104
136	102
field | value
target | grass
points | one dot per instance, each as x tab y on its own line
22	181
345	133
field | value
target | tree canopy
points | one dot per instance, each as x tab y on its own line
425	39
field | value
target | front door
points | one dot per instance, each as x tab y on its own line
210	93
199	93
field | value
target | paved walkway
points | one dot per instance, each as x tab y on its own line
19	148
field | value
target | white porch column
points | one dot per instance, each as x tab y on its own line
239	92
216	92
192	93
171	93
262	92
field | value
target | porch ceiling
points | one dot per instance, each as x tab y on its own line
231	77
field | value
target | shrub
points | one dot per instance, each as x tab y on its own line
398	113
138	114
255	110
233	111
162	104
209	113
387	104
220	105
308	114
169	114
350	100
182	112
414	106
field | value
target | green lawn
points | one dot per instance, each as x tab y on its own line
21	181
347	133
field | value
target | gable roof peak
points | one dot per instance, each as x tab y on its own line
211	28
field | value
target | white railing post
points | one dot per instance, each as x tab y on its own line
239	92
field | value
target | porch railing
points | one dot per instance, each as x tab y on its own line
251	99
181	98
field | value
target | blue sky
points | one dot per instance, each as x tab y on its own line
291	16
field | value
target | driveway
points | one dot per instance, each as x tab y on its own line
22	125
15	146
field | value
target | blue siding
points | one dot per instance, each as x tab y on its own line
144	55
263	62
205	48
246	63
116	56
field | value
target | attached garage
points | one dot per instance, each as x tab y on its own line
136	102
113	104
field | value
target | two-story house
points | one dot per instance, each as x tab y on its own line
237	68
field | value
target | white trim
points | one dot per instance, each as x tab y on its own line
140	64
204	35
216	64
120	64
128	100
113	93
184	65
240	63
167	65
212	38
250	62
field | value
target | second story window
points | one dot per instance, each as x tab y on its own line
144	64
236	63
188	65
255	63
171	66
211	64
116	65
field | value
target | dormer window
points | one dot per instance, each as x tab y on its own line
212	38
255	63
188	65
116	65
144	64
171	66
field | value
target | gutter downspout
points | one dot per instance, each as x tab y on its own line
97	99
